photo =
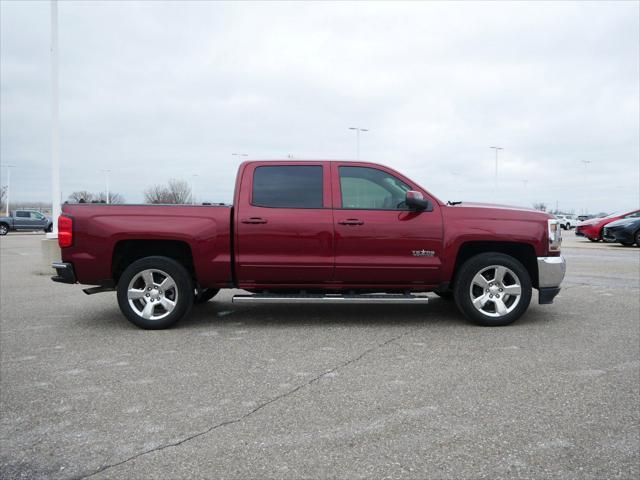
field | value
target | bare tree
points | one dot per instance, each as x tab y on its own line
3	196
81	196
175	192
540	206
114	197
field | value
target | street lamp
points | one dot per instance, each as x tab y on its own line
8	167
56	196
586	163
495	180
106	178
193	197
358	130
238	155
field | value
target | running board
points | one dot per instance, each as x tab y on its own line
330	298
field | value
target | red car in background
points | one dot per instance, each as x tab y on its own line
592	229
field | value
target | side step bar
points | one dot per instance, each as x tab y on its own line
330	298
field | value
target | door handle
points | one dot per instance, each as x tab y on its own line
351	221
253	220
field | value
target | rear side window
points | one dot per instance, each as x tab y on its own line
295	186
23	214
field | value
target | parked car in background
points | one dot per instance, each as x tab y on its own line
567	222
625	231
593	229
25	220
582	218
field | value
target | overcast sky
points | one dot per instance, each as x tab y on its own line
169	90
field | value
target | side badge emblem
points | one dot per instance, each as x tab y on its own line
423	253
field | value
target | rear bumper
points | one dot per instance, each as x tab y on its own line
551	272
65	273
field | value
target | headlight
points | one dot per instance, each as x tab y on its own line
555	235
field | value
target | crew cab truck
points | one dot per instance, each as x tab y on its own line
314	232
24	220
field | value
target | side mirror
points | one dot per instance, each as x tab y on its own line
416	201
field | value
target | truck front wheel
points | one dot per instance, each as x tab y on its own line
493	289
155	292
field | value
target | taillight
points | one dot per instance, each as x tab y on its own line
65	231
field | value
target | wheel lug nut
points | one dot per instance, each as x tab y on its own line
490	296
487	290
146	295
152	300
497	296
500	289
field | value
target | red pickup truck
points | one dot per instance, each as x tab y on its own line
313	231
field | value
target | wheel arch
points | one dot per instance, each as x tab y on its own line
125	252
523	252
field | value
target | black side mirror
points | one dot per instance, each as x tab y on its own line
416	201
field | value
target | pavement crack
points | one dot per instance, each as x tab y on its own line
248	414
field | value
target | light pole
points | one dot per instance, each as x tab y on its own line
239	155
586	163
358	130
8	167
55	141
495	180
193	197
106	179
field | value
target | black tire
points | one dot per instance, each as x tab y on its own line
627	244
475	265
594	240
637	236
4	228
205	295
183	290
49	229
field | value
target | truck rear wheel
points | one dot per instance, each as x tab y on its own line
493	289
4	229
155	292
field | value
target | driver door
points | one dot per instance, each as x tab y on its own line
378	239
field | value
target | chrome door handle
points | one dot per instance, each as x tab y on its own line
253	220
351	221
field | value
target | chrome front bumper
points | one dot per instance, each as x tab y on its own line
551	271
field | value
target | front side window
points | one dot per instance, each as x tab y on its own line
287	186
367	188
37	216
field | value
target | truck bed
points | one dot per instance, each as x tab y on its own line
103	234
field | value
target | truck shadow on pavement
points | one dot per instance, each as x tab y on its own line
438	312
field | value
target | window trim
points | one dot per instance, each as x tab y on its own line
322	177
341	207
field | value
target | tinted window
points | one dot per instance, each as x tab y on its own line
371	189
37	216
22	214
288	186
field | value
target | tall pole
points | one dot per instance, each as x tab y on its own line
495	179
106	180
358	130
586	163
8	167
193	197
55	140
239	155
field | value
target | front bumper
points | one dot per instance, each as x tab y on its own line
620	235
65	273
551	272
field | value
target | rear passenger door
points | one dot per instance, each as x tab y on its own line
284	225
22	220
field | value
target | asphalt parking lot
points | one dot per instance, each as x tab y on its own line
351	391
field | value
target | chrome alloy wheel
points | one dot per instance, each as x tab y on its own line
3	229
495	291
152	294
